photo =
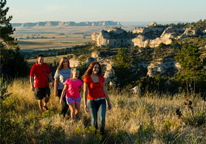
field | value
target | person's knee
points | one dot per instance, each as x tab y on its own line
46	99
94	123
72	110
40	101
102	120
77	110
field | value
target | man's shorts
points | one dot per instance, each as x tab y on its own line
73	100
40	93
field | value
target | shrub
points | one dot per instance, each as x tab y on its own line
195	117
86	136
145	132
51	134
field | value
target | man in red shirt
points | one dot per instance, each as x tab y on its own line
38	75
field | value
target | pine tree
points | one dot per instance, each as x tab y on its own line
123	69
12	62
192	71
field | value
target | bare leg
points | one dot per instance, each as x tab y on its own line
46	100
40	104
72	109
77	108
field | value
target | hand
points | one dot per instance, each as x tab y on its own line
32	88
86	109
51	83
109	106
61	101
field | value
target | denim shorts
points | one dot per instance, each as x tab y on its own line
73	100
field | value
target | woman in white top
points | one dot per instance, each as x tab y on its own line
62	73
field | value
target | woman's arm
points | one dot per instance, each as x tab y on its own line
106	96
63	93
56	82
85	92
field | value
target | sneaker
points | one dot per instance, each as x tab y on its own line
45	108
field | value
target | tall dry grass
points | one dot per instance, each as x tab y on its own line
132	119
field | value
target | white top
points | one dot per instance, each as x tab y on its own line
62	76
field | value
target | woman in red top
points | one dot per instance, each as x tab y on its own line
95	92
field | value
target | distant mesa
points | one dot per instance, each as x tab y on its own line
69	23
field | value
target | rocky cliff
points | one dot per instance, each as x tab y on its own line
69	23
151	35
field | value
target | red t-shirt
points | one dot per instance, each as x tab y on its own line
95	90
40	73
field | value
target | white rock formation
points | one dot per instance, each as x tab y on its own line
73	62
152	24
136	90
159	66
117	36
94	36
95	54
151	36
188	32
146	30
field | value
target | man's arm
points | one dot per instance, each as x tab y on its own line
50	77
32	83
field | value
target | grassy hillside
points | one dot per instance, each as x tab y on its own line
133	119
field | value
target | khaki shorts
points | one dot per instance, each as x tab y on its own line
40	93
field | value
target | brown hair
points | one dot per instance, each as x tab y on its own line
89	70
40	55
61	63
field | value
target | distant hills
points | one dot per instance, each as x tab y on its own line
69	23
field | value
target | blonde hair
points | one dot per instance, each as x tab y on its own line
61	63
73	71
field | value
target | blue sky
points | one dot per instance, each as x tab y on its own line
102	10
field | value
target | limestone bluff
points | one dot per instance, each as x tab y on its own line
69	23
151	35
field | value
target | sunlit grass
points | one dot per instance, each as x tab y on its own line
132	119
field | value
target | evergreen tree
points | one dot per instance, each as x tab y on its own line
192	71
123	69
12	62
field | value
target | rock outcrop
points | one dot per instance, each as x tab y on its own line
113	37
151	35
136	90
70	23
152	24
162	66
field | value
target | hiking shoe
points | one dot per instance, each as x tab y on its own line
45	108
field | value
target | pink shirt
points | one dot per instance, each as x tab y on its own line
73	88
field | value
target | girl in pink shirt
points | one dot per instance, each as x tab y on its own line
71	88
